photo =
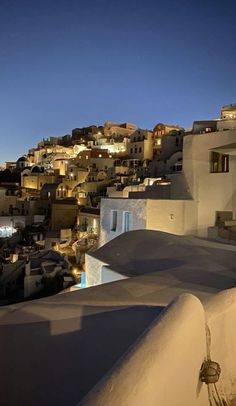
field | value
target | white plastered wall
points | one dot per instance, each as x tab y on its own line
137	207
172	216
211	191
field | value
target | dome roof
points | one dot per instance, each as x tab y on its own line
37	169
22	159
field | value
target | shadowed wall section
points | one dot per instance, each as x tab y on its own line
163	367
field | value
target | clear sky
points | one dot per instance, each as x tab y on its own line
71	63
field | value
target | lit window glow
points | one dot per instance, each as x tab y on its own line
7	231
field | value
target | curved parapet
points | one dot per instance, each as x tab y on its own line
163	366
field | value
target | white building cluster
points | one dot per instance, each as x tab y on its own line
147	214
196	197
102	181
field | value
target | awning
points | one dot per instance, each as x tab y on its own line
229	149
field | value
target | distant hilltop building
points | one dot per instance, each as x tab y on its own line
227	121
161	129
86	134
141	145
114	129
49	141
228	111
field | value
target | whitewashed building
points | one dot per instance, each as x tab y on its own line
141	145
206	186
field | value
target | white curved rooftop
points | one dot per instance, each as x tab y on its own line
56	349
170	264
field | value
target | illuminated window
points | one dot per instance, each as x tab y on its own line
219	163
100	155
159	141
86	156
113	220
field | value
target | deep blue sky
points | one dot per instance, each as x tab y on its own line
70	63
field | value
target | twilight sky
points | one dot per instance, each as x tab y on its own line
71	63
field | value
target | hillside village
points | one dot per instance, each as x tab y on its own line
75	193
136	231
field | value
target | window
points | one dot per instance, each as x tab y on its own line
126	221
140	149
83	224
178	166
219	163
135	150
131	150
113	220
159	141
